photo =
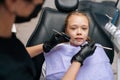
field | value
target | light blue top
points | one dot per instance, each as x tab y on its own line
95	67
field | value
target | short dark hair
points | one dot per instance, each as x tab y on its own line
2	1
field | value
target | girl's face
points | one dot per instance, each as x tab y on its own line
22	8
77	28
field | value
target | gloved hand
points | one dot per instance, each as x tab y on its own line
85	51
55	39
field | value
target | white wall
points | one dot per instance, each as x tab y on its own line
118	6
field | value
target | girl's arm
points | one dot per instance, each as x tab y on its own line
72	71
77	61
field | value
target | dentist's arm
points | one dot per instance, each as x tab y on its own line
47	45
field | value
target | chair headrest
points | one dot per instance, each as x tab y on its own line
66	5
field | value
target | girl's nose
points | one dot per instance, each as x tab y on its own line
79	32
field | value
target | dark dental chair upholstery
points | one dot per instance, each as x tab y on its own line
50	19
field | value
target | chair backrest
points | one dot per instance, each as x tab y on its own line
50	19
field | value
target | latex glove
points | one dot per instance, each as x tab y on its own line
55	39
85	51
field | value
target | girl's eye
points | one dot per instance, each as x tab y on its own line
84	28
73	28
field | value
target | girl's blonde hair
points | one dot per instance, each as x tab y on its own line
75	13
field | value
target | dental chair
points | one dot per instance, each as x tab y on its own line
50	19
54	19
100	14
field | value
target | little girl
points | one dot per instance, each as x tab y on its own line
58	60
